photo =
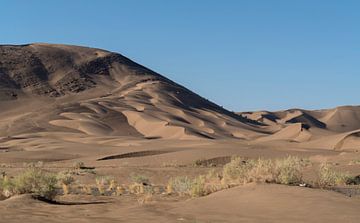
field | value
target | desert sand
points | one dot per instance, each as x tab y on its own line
62	104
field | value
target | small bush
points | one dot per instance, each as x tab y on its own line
65	179
38	164
289	170
103	183
261	171
179	185
185	186
140	179
327	177
237	171
354	162
283	171
34	181
198	188
6	186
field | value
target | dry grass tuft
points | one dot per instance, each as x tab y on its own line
289	170
104	184
327	177
283	171
65	179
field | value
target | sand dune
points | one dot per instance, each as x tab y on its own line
251	203
100	93
329	129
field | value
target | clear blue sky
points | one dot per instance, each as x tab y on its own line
244	55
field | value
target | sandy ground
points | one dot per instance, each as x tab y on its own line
250	203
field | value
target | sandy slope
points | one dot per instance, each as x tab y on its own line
103	93
251	203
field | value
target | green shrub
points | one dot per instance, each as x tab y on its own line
34	181
6	186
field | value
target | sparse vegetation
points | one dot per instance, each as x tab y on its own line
283	171
38	164
179	185
354	162
327	177
103	184
236	172
65	179
198	188
185	186
289	171
140	179
32	181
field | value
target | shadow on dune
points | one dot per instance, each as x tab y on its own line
134	154
54	202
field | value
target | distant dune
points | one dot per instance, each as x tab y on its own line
336	128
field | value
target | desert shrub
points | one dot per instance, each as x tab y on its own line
103	183
179	185
136	188
6	186
354	162
65	179
237	171
283	171
78	165
261	171
240	171
120	190
38	164
199	162
34	181
327	177
289	170
198	188
141	185
185	186
140	179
